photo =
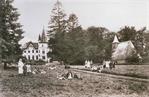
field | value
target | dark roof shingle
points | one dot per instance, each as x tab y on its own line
35	45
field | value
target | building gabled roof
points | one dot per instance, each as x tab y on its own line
123	50
115	39
35	45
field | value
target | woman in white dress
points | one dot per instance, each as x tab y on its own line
88	65
20	67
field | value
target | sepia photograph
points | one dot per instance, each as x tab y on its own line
74	48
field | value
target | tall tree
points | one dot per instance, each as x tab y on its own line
108	39
72	42
11	32
95	43
146	35
57	29
127	33
72	22
72	45
75	43
1	28
57	22
140	41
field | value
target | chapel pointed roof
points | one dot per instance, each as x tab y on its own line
115	39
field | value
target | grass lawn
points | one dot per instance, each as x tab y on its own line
139	71
47	85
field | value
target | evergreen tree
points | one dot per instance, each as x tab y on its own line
1	27
57	22
57	29
11	32
72	22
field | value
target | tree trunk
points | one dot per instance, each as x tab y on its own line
5	65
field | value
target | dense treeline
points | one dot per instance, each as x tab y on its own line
68	40
73	44
10	32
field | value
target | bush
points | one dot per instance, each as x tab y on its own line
39	62
67	67
145	59
133	59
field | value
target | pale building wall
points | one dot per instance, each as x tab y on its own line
43	50
31	52
36	54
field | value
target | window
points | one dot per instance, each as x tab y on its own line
28	51
36	51
32	57
28	57
43	57
24	51
43	52
39	51
32	51
36	57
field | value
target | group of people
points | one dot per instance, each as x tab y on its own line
105	64
23	69
88	63
109	64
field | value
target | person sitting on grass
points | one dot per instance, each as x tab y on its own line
77	76
69	75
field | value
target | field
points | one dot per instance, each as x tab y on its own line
139	71
48	85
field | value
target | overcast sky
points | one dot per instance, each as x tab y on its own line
112	14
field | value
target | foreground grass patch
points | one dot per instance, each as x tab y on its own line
138	71
126	74
47	85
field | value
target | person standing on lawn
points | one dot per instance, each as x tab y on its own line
111	65
24	70
28	66
20	67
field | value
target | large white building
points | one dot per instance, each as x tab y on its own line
37	51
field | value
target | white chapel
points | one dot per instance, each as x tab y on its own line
122	50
